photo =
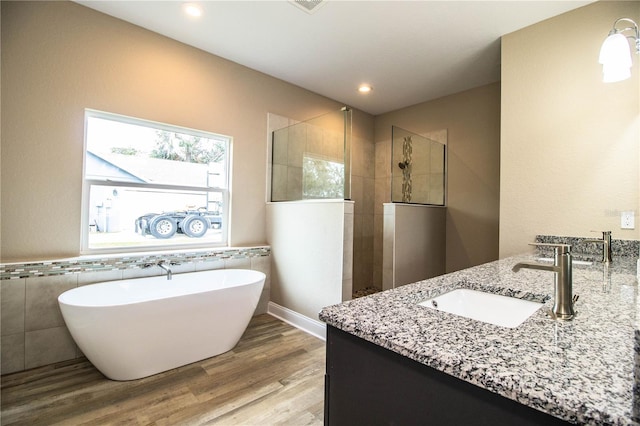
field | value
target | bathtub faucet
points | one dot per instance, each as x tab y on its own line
161	265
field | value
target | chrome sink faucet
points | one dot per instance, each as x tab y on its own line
162	265
563	299
606	245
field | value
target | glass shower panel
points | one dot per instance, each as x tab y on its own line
312	159
418	172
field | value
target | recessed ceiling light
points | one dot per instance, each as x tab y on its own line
365	88
192	9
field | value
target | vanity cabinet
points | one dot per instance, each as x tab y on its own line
366	384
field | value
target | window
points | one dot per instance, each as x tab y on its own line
321	177
151	185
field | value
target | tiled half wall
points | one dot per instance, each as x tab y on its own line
33	332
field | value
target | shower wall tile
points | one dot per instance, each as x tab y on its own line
12	306
48	346
420	159
436	189
41	306
420	190
382	193
334	143
12	357
314	143
294	183
383	159
348	237
437	165
368	195
357	162
357	194
358	254
295	150
369	159
368	232
279	182
280	149
396	189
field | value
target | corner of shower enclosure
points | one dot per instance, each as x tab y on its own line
311	160
418	169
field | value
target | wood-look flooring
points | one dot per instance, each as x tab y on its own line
275	375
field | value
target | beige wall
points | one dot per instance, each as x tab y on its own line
59	58
569	143
472	121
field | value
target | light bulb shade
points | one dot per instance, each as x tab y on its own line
615	57
612	74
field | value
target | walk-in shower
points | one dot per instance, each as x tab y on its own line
310	216
312	159
414	225
417	169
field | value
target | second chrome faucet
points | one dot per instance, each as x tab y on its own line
606	245
563	281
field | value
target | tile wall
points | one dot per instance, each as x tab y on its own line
363	195
33	332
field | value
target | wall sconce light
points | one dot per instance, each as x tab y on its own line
615	55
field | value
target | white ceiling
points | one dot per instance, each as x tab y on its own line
409	51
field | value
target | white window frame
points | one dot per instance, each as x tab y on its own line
88	183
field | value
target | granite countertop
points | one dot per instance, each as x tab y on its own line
583	371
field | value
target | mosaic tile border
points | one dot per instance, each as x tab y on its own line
589	251
77	265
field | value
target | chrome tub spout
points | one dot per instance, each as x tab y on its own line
162	265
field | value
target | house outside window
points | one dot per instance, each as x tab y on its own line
149	185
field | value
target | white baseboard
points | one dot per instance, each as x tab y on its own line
306	324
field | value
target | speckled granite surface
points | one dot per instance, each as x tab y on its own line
589	251
584	371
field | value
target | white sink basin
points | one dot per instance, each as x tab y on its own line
486	307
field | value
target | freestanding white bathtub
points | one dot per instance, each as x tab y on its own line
134	328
